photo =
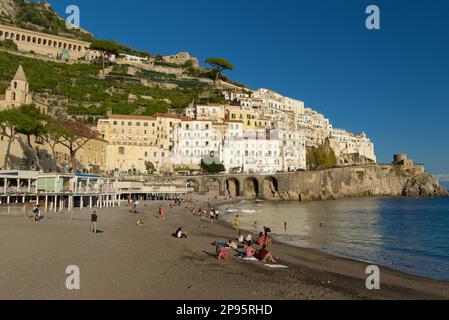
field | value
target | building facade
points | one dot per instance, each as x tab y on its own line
45	44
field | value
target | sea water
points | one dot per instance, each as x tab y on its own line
406	234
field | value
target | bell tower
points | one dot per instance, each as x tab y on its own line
18	93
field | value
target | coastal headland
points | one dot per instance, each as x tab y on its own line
328	184
126	261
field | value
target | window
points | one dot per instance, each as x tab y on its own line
121	150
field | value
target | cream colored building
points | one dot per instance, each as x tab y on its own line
346	143
45	44
133	141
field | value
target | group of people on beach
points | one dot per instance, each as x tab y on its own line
246	248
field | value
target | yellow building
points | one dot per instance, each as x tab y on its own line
249	118
135	141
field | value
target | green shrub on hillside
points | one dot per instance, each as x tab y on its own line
321	157
80	84
8	44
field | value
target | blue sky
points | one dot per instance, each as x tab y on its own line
392	83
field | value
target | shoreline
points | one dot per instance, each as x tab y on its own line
229	225
130	262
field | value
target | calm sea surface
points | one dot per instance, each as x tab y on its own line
406	234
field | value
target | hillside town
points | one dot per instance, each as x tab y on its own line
257	131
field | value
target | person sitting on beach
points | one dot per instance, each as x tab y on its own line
218	245
250	251
261	240
268	236
240	238
265	255
232	244
181	234
249	239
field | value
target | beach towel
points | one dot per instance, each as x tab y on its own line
276	266
250	259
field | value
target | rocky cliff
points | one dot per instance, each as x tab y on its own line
376	180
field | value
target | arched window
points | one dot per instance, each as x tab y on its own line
23	38
34	39
44	42
29	39
18	37
50	43
79	48
13	96
39	41
15	85
12	35
1	33
6	35
60	44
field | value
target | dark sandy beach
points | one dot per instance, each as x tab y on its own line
126	261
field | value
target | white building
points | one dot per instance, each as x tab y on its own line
195	140
292	150
261	152
134	59
346	143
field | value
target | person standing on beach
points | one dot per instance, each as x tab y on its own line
285	226
37	213
93	222
237	223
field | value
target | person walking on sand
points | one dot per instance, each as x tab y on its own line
93	222
285	226
161	213
37	213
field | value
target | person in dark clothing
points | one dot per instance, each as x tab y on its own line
93	222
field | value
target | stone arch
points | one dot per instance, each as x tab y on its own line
18	37
1	33
6	35
270	188
251	188
29	39
212	187
12	35
232	187
24	38
34	39
193	184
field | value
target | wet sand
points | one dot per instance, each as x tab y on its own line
125	261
